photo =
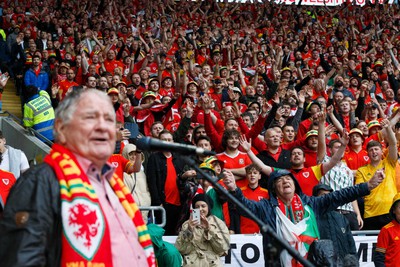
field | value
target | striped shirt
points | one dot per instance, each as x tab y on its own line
337	178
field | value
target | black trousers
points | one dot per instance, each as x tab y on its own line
377	222
352	218
173	214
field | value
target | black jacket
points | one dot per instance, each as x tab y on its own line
157	174
334	226
30	230
282	163
283	160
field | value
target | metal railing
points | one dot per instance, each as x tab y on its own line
366	232
152	209
22	138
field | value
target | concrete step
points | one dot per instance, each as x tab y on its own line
11	102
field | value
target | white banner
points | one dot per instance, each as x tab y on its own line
247	249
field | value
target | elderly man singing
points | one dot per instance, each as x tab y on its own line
73	210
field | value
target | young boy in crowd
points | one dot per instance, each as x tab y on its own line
252	191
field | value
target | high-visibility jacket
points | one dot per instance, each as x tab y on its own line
3	35
39	114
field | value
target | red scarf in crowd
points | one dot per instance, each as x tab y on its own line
295	212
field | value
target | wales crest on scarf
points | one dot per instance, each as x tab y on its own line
85	234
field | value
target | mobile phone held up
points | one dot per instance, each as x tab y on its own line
196	215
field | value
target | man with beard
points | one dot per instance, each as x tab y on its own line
66	84
354	85
138	88
376	88
103	84
36	76
339	87
234	160
111	63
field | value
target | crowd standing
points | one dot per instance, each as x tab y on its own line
309	89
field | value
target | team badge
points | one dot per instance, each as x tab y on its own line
83	225
115	164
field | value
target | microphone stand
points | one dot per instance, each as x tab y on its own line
264	227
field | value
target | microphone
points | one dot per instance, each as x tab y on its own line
153	144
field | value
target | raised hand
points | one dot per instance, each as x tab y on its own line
329	109
321	116
344	139
385	123
243	142
301	96
330	129
229	180
376	179
266	107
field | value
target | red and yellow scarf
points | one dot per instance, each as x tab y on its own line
295	212
85	235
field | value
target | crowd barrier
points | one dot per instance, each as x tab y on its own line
247	249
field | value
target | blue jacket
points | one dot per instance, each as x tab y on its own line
41	81
265	209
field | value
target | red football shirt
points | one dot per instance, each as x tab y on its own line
171	188
7	180
356	160
240	160
248	226
120	163
308	178
389	243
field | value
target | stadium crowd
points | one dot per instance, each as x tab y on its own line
310	89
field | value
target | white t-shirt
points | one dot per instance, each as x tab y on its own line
5	164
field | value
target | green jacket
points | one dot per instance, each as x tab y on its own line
166	254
